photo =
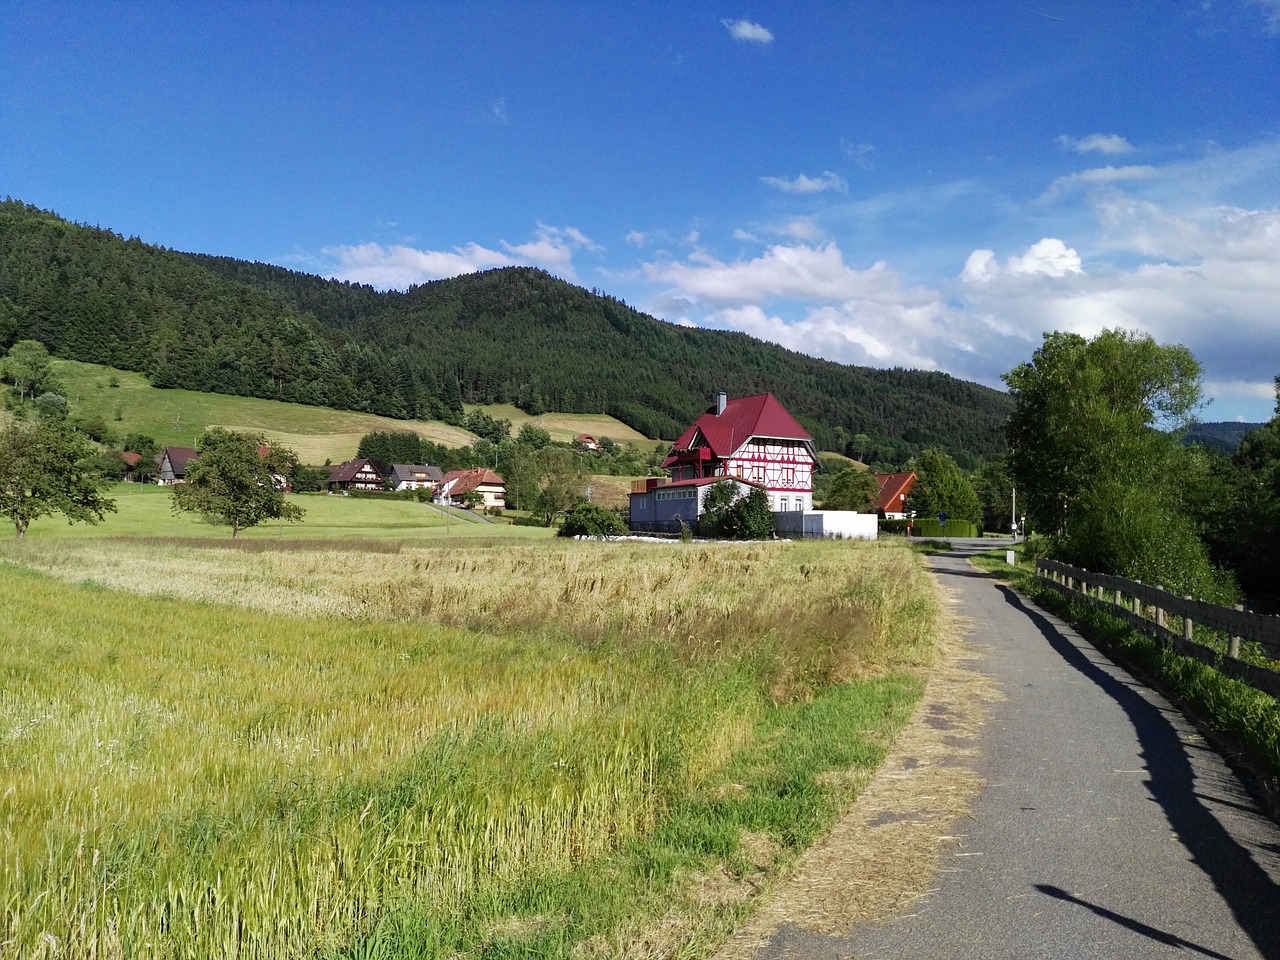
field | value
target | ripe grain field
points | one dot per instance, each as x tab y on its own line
460	749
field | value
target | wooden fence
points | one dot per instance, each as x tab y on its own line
1178	622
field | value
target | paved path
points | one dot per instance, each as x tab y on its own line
1106	827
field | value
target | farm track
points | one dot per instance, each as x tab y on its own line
1099	823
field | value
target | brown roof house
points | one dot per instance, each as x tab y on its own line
456	484
355	475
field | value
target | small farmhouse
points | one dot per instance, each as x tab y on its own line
456	484
414	476
173	464
895	488
355	475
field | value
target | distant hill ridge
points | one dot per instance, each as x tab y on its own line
511	335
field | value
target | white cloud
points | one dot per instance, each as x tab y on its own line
859	153
499	108
1098	175
399	266
799	272
636	238
747	31
1049	257
805	184
1108	143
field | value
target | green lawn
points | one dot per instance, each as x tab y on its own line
143	510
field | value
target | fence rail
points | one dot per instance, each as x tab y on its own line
1152	610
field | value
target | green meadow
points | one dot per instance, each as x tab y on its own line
129	404
371	735
145	510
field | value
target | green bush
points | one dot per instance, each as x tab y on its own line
591	520
932	527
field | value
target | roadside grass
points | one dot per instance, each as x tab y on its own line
144	510
594	750
1244	720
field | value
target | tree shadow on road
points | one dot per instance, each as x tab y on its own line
1252	895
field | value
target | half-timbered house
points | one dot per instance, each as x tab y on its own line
753	439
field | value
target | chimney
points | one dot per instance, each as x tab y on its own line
722	401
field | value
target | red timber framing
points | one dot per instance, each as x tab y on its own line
753	439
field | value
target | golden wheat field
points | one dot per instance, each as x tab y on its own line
292	751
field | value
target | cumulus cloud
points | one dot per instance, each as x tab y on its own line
1206	278
1096	176
399	266
804	184
747	31
1109	143
1049	257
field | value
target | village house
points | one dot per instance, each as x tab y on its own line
414	476
586	441
173	465
895	488
752	439
753	442
455	485
355	475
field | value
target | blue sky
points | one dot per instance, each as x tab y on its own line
879	182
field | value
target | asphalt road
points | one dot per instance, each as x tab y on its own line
1106	828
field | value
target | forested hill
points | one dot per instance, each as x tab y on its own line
511	335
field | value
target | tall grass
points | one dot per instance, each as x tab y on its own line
276	753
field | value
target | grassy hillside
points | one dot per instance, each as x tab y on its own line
129	404
563	427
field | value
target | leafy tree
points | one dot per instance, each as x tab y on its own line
1095	454
485	426
735	516
942	487
28	367
45	468
994	487
533	437
561	481
234	481
52	405
851	489
1085	409
592	520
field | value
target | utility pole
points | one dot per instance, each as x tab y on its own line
1013	516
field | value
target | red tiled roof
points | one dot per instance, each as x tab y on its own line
892	486
468	480
130	458
743	418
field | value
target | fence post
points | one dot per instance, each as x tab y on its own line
1160	612
1233	645
1188	627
